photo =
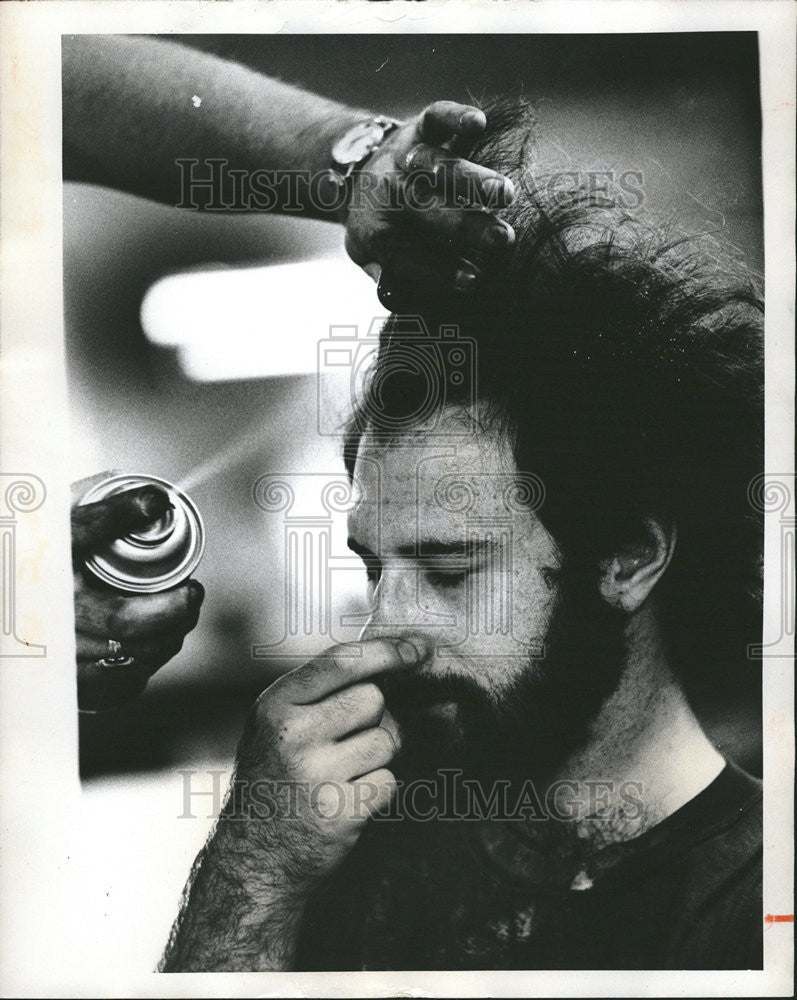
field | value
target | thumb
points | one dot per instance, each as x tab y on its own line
117	515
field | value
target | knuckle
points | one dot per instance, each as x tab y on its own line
383	647
387	781
329	800
370	698
191	597
347	703
303	679
394	739
313	766
340	657
380	745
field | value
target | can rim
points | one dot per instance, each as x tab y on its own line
154	584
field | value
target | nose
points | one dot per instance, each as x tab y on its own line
396	609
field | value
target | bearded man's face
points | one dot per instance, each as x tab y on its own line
525	651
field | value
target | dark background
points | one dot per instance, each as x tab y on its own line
683	109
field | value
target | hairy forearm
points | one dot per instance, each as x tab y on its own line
133	107
233	918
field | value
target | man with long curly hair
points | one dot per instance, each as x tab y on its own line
506	772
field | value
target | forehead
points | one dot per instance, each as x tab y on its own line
439	471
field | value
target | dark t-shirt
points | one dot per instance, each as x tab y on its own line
684	895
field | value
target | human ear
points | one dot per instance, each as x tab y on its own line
628	577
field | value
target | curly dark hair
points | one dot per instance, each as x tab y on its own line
627	369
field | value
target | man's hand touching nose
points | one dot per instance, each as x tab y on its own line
319	730
313	765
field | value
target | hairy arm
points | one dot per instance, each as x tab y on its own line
164	121
232	917
129	113
311	770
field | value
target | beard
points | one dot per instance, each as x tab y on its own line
530	728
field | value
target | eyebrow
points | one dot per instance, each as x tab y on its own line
432	548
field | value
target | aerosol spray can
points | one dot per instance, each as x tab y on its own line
154	558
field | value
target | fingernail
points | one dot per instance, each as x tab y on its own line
496	236
472	119
197	591
409	159
412	652
464	279
373	270
151	502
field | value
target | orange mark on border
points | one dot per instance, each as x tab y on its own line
779	918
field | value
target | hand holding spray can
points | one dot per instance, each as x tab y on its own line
154	558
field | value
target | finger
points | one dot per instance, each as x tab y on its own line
359	754
80	487
467	229
454	179
372	269
355	708
151	654
117	515
90	673
373	793
93	670
444	119
350	663
116	616
388	722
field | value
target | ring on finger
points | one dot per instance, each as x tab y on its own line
409	159
115	657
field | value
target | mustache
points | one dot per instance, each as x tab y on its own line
419	689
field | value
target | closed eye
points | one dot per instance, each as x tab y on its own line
446	580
